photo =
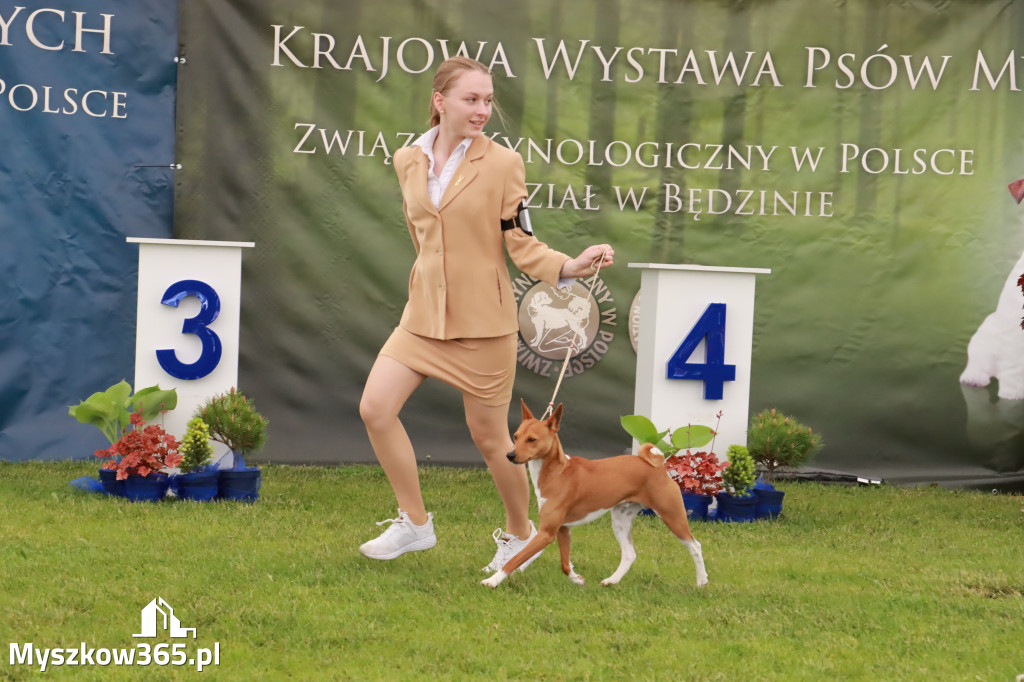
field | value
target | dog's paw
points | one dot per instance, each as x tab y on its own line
973	377
577	579
610	581
494	580
702	580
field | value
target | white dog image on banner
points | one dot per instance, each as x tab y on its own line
547	318
997	349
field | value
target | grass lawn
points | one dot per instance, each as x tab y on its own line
851	584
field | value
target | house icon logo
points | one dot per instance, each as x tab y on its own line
159	613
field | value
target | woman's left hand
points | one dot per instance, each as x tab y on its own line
588	262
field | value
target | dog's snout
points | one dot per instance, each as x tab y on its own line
511	456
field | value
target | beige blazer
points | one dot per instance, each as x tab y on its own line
459	286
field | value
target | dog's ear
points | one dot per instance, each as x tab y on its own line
555	420
526	410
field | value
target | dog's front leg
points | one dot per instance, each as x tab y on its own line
564	541
543	538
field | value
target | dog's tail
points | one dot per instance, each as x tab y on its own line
652	455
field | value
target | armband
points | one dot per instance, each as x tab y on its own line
521	220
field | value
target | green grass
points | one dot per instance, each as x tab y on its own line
852	584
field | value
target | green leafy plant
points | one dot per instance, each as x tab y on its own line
195	446
683	438
142	450
776	440
111	410
740	473
695	472
233	420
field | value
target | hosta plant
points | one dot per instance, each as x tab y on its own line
696	472
110	411
683	438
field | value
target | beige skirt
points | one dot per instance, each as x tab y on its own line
482	368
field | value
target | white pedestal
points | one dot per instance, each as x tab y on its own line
188	315
676	300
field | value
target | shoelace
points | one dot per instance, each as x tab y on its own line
395	523
504	547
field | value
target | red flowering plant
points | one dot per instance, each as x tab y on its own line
695	472
141	450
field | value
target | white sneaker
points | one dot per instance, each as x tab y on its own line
403	536
508	547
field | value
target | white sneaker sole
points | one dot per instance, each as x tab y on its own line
418	546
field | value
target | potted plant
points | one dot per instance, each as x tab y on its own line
776	440
139	457
698	474
699	477
736	503
197	481
110	411
233	420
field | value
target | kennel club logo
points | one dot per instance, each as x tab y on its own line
551	319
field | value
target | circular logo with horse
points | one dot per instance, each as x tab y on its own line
554	322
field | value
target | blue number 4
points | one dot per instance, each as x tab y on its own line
209	309
713	371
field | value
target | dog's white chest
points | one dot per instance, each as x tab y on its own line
533	466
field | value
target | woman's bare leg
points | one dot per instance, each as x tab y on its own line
388	387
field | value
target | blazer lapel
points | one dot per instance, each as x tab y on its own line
466	172
416	179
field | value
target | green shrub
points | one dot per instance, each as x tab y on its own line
776	440
234	421
195	448
740	473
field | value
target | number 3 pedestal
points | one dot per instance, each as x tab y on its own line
187	326
684	309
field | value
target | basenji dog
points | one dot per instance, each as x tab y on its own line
572	491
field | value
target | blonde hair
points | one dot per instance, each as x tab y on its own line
449	72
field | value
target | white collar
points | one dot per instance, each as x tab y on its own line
427	139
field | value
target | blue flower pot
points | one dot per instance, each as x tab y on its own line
111	486
696	506
200	486
240	484
733	509
769	503
151	488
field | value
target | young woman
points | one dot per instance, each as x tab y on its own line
462	196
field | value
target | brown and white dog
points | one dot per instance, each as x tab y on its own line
572	491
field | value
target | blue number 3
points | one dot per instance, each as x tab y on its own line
209	309
713	371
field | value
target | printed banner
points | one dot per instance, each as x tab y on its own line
87	94
862	151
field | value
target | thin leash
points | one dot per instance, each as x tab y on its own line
596	264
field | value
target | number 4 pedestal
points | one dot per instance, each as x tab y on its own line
187	326
694	348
